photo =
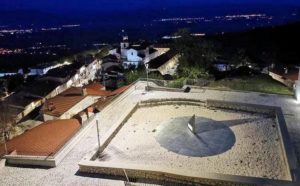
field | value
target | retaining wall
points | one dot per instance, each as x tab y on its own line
242	107
176	176
150	88
45	161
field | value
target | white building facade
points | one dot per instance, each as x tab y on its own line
133	55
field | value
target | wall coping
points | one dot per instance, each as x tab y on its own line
182	176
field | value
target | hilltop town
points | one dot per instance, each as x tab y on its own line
115	112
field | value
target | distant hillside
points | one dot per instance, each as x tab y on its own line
265	45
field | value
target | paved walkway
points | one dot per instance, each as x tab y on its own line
65	173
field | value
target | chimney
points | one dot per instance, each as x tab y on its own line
51	106
84	92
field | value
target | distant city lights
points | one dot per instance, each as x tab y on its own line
226	18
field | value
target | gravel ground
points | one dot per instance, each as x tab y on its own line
256	152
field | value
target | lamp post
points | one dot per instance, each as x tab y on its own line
5	145
103	78
147	66
98	134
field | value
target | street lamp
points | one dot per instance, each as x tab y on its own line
99	145
103	78
147	66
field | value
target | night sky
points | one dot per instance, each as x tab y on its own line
138	17
111	5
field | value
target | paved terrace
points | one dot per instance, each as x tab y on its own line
65	173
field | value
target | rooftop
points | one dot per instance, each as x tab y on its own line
32	92
68	70
162	59
119	90
293	74
95	89
21	99
41	87
141	45
110	58
43	140
63	102
152	50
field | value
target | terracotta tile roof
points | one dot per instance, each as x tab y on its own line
293	74
63	102
104	101
95	86
95	89
120	90
93	92
162	59
43	140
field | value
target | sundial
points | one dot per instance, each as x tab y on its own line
195	136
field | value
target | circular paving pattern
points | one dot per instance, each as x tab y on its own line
210	137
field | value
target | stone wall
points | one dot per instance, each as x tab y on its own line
281	79
242	107
150	88
175	176
31	160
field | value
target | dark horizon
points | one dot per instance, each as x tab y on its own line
102	21
115	5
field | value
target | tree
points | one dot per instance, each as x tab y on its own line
194	52
102	52
241	58
14	82
270	57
